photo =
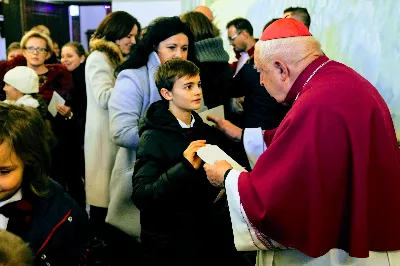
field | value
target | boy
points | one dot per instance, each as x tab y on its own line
181	224
32	205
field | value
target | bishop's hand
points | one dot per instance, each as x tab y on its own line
216	172
232	131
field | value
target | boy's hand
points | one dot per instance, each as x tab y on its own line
190	153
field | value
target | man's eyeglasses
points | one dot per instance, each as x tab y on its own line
231	39
32	49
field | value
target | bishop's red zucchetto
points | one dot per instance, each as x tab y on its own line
285	28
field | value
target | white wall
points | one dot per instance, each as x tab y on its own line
90	18
146	11
3	49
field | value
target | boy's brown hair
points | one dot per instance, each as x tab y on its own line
172	70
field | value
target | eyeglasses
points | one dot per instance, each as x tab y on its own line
231	39
32	49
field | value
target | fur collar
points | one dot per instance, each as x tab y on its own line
109	48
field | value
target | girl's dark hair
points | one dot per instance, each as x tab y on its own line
80	51
23	129
115	26
201	27
157	31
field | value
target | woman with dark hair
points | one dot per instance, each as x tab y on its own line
165	38
73	57
112	41
32	205
216	74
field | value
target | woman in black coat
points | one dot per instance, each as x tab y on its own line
73	57
215	71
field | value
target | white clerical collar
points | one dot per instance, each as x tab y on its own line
17	196
183	125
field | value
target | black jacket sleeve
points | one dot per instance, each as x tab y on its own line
157	181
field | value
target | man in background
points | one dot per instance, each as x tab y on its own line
299	13
259	108
205	11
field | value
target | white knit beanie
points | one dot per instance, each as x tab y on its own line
23	79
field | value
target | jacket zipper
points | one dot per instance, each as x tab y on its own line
52	231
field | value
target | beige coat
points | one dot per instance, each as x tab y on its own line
100	151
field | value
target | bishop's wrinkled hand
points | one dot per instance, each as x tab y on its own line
215	172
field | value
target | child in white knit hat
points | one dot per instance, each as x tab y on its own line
21	83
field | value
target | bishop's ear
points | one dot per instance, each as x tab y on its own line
282	69
166	94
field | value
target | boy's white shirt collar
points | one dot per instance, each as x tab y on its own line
17	196
183	125
4	220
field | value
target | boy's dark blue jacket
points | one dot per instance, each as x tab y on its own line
56	228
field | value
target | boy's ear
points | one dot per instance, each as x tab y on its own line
166	94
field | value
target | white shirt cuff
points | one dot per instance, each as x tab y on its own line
243	235
246	236
254	144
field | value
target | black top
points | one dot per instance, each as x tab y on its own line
216	79
78	94
260	109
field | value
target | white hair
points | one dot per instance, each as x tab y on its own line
289	50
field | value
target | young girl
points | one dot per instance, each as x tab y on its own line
22	87
32	205
181	224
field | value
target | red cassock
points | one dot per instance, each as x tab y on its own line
330	177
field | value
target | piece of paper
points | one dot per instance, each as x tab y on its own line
211	153
56	99
217	111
